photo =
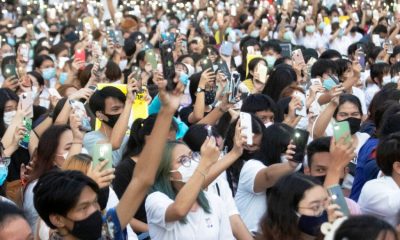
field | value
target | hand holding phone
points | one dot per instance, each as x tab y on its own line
27	103
341	129
297	57
102	152
80	111
337	197
300	140
168	67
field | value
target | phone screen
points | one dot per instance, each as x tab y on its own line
102	152
206	64
300	139
341	129
168	67
151	58
337	197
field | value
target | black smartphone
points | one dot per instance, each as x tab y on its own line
9	70
223	67
300	139
168	67
206	64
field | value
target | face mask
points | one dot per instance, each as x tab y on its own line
122	64
354	123
329	83
112	119
8	117
386	79
143	30
395	79
71	37
311	224
288	36
63	77
187	172
89	228
215	26
322	179
11	41
209	97
341	33
335	20
3	173
321	26
310	29
198	69
49	73
270	61
190	69
31	53
268	124
255	33
65	155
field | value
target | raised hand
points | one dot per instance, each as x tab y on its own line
103	177
209	152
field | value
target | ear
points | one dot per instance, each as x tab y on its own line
57	220
100	116
396	168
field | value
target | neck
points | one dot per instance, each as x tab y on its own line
65	235
106	130
305	236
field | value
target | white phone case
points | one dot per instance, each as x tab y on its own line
245	121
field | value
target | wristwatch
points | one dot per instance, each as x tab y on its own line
199	90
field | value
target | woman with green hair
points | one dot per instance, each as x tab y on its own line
177	207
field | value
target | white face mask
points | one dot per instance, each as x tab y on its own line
190	69
143	30
187	172
386	79
268	124
303	123
8	117
396	79
198	69
122	64
65	155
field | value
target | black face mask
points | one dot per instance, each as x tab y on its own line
322	179
89	228
355	124
112	119
311	224
209	97
53	34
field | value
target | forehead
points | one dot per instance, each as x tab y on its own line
179	150
111	101
321	159
348	107
315	193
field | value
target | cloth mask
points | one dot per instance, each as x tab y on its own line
122	64
112	119
310	29
355	124
288	36
270	61
386	79
311	224
88	228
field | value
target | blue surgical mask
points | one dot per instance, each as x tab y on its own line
49	73
321	26
11	41
215	26
288	36
63	77
270	61
310	29
3	173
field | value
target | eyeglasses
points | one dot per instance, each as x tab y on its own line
318	209
186	160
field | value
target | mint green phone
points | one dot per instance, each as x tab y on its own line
341	129
102	152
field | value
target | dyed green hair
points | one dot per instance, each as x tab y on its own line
163	178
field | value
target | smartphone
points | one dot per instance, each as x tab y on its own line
355	17
137	76
303	111
233	10
23	50
223	67
300	140
81	112
184	46
119	39
337	197
286	49
341	129
315	81
262	73
150	57
102	152
389	45
361	60
168	37
24	142
168	67
111	34
245	121
297	56
376	40
80	55
9	70
206	64
234	87
27	102
226	48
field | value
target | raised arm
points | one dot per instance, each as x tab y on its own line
147	165
188	194
322	122
199	105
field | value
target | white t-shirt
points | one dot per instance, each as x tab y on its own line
251	205
29	207
357	37
199	225
361	95
310	41
341	44
370	92
220	187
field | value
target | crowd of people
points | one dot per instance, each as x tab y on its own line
205	120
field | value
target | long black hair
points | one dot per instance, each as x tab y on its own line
282	76
5	96
233	172
280	221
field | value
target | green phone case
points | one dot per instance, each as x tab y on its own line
101	152
340	129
